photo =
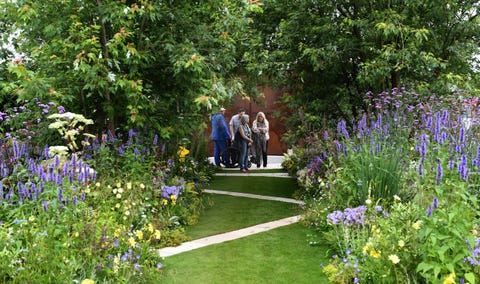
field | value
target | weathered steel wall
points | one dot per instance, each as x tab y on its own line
269	105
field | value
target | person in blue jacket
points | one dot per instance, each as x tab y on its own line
220	136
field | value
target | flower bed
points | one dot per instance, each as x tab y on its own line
396	194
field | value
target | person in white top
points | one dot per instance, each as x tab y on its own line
260	129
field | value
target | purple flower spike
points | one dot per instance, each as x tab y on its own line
429	211
439	172
45	205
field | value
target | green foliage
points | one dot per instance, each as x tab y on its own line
162	65
329	53
370	172
448	235
430	153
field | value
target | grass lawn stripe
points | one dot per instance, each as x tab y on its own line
270	186
281	255
229	213
250	195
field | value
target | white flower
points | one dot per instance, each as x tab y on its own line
57	150
394	258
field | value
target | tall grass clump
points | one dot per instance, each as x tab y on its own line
419	222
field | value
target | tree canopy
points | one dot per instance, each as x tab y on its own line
331	53
161	64
166	64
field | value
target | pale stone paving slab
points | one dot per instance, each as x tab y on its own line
220	238
250	174
256	196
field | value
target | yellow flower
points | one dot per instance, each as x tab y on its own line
190	186
368	201
394	258
129	185
450	279
375	254
401	243
182	152
417	225
31	218
150	228
119	184
164	202
139	234
97	185
142	186
173	197
127	213
397	198
87	281
367	247
157	234
131	242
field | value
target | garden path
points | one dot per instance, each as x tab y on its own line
274	163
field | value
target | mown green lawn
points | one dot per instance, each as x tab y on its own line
271	186
282	255
230	213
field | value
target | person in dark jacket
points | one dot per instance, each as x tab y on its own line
220	136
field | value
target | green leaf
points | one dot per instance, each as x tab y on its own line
470	277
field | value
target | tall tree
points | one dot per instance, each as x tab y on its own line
329	53
159	64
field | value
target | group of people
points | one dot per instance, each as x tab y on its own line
245	138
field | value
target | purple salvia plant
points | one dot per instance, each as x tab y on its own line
463	168
439	172
45	205
60	194
16	151
429	211
342	129
420	168
461	137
